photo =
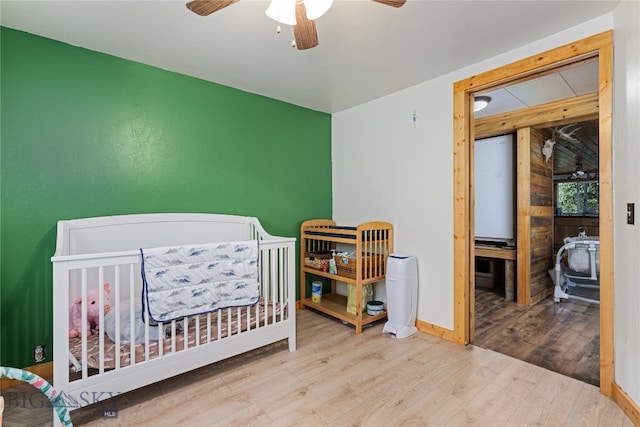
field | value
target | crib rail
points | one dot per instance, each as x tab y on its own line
93	367
590	247
589	250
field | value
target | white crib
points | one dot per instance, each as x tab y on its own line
582	269
94	251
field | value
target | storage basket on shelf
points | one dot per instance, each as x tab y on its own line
317	259
371	263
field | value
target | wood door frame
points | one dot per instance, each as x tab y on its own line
600	45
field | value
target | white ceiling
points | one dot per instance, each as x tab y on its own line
366	50
567	83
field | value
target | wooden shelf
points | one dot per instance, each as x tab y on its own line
335	305
495	252
370	244
341	278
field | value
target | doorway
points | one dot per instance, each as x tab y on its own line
562	337
598	45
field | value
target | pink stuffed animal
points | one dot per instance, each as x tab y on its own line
93	312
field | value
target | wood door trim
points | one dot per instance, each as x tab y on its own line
523	219
581	108
600	45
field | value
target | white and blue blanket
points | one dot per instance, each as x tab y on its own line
190	280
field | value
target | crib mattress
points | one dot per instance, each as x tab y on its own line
229	325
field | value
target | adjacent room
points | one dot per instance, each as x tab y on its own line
563	180
207	209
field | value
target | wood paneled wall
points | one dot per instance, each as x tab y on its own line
541	217
568	226
535	218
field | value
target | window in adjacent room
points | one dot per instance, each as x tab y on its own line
577	198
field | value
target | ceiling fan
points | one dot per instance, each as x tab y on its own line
580	173
299	13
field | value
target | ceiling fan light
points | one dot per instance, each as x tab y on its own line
283	11
317	8
480	102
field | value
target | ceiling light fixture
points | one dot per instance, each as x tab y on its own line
284	11
579	173
480	102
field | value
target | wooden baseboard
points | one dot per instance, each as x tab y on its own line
435	330
542	295
626	404
425	327
44	370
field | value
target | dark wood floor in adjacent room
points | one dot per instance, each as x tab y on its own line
562	337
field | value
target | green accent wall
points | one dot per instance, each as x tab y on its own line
87	134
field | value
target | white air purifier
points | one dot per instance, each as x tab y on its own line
402	295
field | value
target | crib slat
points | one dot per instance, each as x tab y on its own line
132	311
249	318
173	336
284	283
83	332
160	339
197	330
116	307
257	308
146	338
278	282
185	332
101	319
273	279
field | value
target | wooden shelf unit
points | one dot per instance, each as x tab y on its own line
372	242
509	255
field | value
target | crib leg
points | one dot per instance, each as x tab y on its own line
559	293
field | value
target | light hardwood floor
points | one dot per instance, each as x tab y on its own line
339	379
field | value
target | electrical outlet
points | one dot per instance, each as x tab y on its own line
631	213
39	353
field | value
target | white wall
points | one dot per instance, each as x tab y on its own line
386	166
626	180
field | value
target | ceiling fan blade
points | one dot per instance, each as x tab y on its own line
394	3
207	7
305	29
